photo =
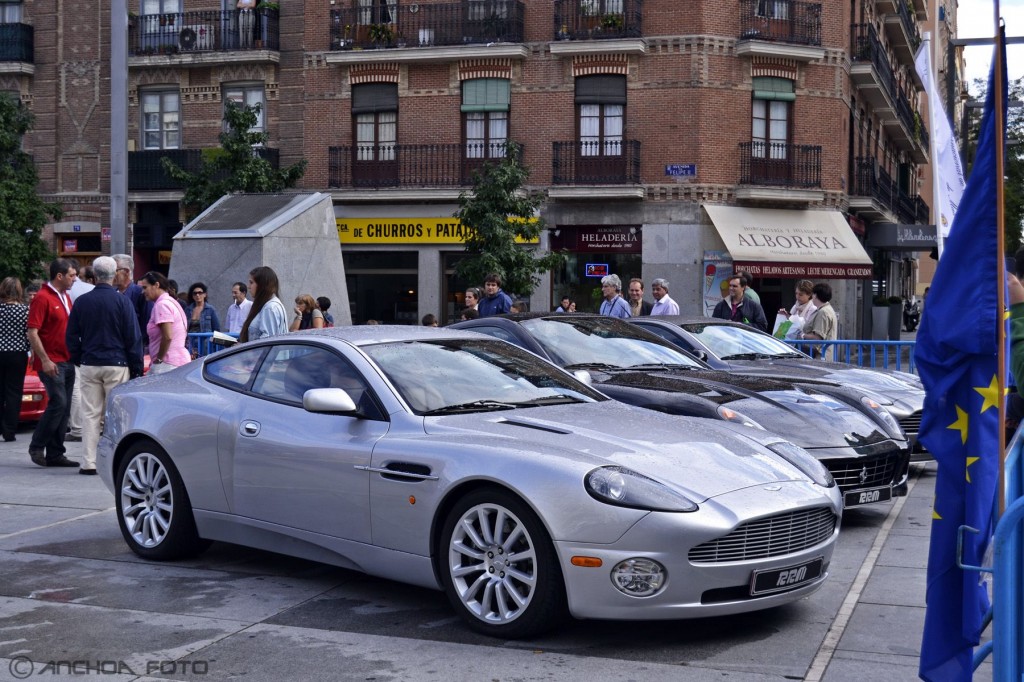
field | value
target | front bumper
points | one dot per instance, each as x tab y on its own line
691	589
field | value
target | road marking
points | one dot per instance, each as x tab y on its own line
835	633
56	523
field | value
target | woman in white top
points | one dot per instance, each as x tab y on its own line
267	317
804	306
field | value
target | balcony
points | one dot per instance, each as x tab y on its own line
776	171
598	27
203	38
17	50
877	196
901	29
596	169
428	32
419	169
146	170
780	28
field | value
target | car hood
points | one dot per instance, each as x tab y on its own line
700	457
810	418
876	381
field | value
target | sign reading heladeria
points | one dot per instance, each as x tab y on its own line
597	239
790	243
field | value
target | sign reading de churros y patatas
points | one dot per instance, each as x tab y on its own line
404	231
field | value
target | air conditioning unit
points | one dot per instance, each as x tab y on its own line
195	37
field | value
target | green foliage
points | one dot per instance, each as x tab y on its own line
23	215
499	212
235	166
1013	162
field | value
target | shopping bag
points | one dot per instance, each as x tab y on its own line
798	325
782	327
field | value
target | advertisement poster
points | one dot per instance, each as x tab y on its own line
715	282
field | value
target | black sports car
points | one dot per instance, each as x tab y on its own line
854	436
741	349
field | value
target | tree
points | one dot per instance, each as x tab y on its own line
1013	162
235	166
23	215
498	213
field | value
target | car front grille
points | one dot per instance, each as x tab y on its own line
769	537
865	472
911	424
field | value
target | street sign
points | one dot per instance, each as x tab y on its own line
681	170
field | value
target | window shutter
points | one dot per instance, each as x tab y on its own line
486	94
369	98
771	88
601	89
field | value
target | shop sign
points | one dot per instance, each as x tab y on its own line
715	283
70	245
616	239
105	234
405	231
597	269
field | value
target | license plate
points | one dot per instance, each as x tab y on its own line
780	579
856	498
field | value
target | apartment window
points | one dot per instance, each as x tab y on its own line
478	10
601	106
600	7
10	12
375	112
773	9
485	105
161	125
377	11
161	7
771	112
248	95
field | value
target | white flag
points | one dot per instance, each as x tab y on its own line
947	171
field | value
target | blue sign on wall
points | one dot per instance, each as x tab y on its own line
681	170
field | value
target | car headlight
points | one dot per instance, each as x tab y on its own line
804	461
891	425
731	415
623	487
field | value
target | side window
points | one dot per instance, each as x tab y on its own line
235	370
290	371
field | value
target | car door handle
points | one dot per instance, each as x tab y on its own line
249	428
396	472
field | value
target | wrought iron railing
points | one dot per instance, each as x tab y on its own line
395	25
867	48
17	43
146	169
598	19
206	31
780	164
909	24
410	165
782	21
604	162
871	180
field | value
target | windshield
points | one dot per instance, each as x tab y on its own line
574	342
473	375
725	341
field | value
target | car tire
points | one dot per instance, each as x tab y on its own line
508	586
153	508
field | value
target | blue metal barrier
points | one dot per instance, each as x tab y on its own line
897	355
201	343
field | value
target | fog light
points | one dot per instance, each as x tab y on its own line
638	577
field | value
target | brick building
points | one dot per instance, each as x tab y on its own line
799	121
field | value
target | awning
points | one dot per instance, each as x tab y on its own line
790	244
894	237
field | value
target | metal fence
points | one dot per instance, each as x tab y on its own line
898	355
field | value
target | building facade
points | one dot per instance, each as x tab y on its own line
802	119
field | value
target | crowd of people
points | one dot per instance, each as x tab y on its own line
89	330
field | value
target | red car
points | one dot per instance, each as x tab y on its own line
33	397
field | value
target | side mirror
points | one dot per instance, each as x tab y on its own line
584	376
328	401
700	355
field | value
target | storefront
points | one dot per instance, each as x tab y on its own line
80	240
591	252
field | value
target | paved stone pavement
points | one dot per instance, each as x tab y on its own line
75	599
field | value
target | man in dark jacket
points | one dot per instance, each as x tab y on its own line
103	340
495	301
739	308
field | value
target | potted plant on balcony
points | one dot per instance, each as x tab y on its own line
612	22
264	12
380	34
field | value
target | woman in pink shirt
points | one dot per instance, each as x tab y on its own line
167	328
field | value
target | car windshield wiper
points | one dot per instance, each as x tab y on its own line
473	406
551	400
748	356
593	365
666	365
789	355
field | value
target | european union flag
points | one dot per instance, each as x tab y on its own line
957	359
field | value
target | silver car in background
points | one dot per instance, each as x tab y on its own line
455	461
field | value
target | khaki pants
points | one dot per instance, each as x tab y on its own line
97	382
75	420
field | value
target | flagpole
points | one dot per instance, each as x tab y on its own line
1001	250
933	146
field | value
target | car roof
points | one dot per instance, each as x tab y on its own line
680	320
368	334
